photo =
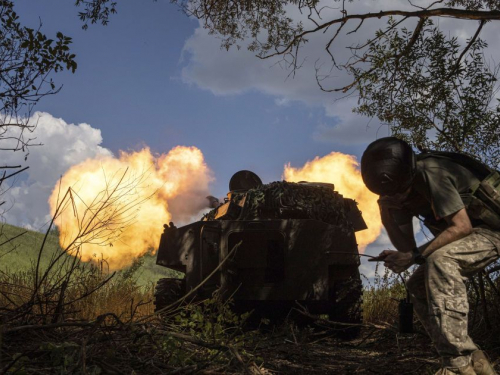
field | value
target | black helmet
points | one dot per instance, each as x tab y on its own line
388	166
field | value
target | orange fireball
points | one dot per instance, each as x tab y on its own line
116	207
342	171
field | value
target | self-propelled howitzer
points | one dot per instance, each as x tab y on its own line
270	247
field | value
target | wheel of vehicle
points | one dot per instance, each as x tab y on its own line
347	298
168	291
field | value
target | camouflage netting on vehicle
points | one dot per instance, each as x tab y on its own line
281	200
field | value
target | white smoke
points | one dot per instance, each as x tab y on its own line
63	145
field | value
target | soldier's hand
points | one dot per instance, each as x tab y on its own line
380	257
397	261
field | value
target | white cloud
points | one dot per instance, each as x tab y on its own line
63	145
348	127
238	71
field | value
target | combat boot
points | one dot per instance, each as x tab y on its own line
464	370
481	363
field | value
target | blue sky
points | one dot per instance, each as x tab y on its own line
129	84
154	78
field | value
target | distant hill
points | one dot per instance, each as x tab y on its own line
21	253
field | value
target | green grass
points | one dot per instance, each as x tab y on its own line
21	254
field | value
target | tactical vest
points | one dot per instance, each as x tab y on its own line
482	200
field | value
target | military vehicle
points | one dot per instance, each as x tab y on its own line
270	247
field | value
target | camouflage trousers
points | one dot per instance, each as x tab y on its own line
438	292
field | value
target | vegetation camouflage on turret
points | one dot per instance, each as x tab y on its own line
281	200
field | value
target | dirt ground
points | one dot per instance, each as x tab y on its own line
373	352
136	349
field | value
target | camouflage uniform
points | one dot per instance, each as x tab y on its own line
439	295
437	288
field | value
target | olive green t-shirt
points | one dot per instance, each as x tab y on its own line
435	193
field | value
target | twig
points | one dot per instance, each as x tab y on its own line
47	326
237	355
192	291
13	238
13	174
194	340
100	319
414	38
334	323
370	334
10	166
469	45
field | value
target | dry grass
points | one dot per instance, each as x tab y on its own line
107	326
381	297
88	293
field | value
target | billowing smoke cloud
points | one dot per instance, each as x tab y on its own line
186	171
342	171
63	145
126	200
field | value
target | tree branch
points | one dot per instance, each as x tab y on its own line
426	13
12	174
414	37
469	45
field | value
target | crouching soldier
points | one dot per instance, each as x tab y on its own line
455	197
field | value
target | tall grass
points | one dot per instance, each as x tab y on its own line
381	297
87	294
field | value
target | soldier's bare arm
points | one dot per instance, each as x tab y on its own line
459	226
401	235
